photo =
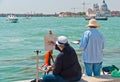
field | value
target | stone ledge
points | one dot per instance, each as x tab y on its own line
102	78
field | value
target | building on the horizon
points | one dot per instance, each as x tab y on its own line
99	10
68	14
115	13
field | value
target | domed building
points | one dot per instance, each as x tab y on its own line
99	11
104	6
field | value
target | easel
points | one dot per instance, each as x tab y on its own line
37	61
49	41
46	70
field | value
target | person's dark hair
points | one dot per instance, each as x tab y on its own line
57	48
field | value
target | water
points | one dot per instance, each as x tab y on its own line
19	40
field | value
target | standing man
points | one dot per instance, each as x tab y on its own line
92	44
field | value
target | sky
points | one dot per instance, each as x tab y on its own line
52	6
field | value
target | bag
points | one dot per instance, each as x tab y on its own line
109	69
115	73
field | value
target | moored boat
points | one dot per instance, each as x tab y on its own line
97	18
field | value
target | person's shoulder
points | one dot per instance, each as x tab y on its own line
87	32
59	57
71	48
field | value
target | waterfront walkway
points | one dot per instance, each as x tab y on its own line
102	78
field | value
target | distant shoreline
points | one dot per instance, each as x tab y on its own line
65	14
30	15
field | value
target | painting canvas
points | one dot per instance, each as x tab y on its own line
49	41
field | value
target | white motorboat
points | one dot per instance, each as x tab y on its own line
12	19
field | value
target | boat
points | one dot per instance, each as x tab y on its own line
12	18
27	17
96	17
76	41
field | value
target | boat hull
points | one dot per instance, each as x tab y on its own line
13	20
97	18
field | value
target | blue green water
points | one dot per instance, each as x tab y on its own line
19	40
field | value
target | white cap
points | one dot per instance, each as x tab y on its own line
61	40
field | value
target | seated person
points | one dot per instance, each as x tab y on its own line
66	67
